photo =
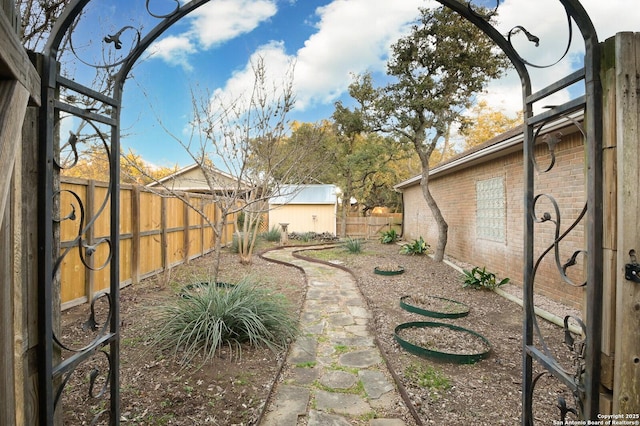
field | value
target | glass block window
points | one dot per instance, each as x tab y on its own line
490	210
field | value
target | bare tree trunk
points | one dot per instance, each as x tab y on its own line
217	250
443	227
343	214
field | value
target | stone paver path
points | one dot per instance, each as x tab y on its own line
334	374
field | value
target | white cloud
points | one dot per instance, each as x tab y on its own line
222	20
174	50
277	64
353	36
546	19
212	24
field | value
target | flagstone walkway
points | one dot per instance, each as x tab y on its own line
334	374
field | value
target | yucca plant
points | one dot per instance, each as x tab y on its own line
353	245
203	321
306	237
272	234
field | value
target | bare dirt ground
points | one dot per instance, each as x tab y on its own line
231	390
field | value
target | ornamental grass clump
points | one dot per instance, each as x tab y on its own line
205	320
272	234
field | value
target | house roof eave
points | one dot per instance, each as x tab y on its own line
501	145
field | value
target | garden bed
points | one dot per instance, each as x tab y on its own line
442	342
155	389
433	306
489	390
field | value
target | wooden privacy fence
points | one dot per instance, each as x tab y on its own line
370	226
157	232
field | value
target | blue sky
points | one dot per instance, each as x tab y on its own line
328	40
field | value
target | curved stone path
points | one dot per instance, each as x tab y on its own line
334	374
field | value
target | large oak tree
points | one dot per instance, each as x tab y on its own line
437	71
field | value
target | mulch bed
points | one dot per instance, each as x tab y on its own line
232	390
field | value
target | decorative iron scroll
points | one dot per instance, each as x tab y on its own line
578	369
86	62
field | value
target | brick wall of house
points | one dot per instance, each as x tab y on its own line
455	193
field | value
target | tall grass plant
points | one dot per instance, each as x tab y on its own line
204	320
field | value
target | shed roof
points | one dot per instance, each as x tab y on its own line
305	194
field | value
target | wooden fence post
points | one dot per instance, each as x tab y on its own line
610	234
164	239
135	234
626	392
186	243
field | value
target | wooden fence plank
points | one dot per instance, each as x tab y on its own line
13	104
157	232
626	392
135	232
610	235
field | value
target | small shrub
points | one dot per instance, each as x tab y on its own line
418	246
306	237
224	316
480	279
272	234
353	245
389	237
428	377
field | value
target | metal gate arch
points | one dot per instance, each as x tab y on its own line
105	343
583	382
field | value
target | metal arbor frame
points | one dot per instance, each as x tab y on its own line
583	378
59	95
60	101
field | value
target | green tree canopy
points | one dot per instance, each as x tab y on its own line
438	68
486	123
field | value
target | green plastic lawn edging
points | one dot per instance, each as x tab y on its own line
459	313
398	271
438	355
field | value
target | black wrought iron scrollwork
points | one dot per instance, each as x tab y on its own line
115	38
91	324
564	410
485	13
120	46
542	211
72	143
97	385
519	29
109	53
162	15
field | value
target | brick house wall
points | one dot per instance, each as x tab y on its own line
496	169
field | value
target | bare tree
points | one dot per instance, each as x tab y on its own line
37	18
242	147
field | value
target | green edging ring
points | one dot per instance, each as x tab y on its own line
398	271
435	314
444	356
